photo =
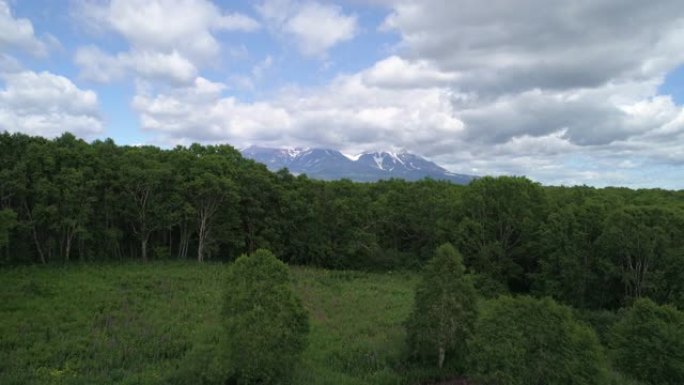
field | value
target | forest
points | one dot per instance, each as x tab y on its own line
590	258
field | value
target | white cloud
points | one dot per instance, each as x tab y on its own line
18	33
513	47
587	116
316	27
47	104
99	66
184	25
542	134
564	93
347	111
397	72
169	39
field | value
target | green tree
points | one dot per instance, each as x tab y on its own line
37	195
648	343
265	322
7	222
209	187
74	186
445	308
572	268
145	189
522	341
640	240
501	217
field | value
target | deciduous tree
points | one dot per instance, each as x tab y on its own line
522	341
444	310
265	323
648	343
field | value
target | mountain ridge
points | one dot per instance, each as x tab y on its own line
329	164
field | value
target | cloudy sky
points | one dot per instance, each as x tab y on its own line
572	92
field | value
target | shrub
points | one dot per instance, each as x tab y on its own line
265	323
648	343
522	340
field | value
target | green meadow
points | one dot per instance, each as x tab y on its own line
135	323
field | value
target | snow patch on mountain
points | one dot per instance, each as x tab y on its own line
330	164
353	158
296	151
378	160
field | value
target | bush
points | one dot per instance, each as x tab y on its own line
648	343
522	340
444	310
265	323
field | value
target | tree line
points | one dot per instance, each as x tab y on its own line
66	201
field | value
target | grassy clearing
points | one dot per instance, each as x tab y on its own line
133	324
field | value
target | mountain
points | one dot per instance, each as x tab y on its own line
329	164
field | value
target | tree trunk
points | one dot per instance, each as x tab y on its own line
40	249
207	210
183	240
200	251
440	358
201	237
34	233
143	247
67	252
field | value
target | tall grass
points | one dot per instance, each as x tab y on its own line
134	323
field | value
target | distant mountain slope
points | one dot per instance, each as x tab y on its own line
368	167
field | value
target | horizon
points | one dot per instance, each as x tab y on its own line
582	93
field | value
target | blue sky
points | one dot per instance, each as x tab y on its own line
578	93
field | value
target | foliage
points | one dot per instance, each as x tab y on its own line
90	324
523	340
444	310
160	323
500	219
648	343
7	222
585	247
645	244
265	323
573	268
593	249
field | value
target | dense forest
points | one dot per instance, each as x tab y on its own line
521	283
65	201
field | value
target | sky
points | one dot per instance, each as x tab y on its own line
573	92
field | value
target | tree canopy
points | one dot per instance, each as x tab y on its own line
90	202
445	308
523	340
648	343
265	323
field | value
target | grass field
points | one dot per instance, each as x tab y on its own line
134	323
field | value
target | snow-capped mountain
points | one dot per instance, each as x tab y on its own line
368	167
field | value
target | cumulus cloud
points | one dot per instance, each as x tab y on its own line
47	104
512	47
168	38
588	117
99	66
316	27
400	73
347	111
18	33
564	93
